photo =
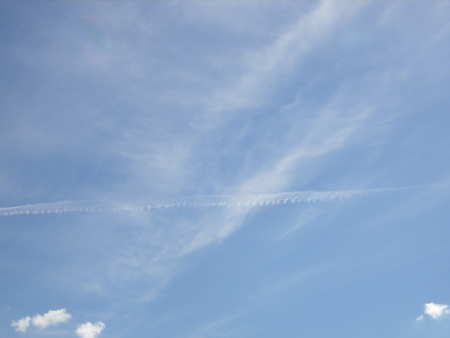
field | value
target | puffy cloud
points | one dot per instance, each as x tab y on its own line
434	310
86	330
50	318
22	324
89	330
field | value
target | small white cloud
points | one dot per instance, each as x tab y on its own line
435	310
51	318
89	330
419	318
22	324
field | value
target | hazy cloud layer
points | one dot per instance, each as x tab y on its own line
171	150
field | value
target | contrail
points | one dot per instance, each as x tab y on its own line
193	201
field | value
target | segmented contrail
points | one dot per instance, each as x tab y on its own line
193	201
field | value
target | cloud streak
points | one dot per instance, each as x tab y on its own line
229	201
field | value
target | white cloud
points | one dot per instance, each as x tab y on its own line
51	318
22	324
89	330
435	310
86	330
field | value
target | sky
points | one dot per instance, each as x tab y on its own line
224	169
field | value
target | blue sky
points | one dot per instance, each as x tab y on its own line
224	169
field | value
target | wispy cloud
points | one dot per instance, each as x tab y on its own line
275	62
172	128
